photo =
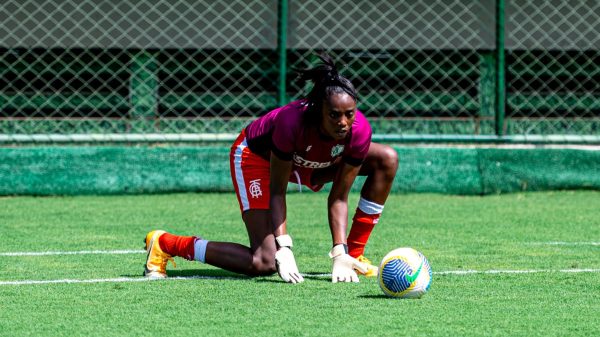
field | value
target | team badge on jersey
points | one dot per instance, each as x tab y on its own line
337	150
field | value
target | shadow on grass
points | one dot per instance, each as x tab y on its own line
199	273
376	297
263	279
307	276
208	273
223	274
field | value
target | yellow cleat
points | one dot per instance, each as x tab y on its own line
156	260
372	271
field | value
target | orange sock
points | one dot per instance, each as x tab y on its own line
175	245
362	226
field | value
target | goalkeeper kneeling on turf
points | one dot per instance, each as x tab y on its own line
318	139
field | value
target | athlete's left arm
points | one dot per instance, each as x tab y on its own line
343	264
338	201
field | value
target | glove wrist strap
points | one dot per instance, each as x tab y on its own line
339	249
284	241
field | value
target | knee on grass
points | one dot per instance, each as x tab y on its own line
263	265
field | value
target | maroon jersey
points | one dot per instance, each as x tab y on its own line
284	132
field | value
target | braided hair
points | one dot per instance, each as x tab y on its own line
326	82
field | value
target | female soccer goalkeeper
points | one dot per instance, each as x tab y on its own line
321	138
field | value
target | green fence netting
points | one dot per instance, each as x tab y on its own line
179	70
100	170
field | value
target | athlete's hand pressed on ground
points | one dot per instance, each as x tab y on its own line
284	259
344	265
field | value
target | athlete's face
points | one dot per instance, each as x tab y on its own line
338	115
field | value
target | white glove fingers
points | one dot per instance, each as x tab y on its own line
297	278
360	266
350	277
285	277
291	278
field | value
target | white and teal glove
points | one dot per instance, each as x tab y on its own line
344	265
284	259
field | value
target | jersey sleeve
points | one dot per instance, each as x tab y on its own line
360	141
285	131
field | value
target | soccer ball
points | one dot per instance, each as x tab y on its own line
405	273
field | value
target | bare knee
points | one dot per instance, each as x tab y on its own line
263	264
388	161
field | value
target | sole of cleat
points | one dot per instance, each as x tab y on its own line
154	276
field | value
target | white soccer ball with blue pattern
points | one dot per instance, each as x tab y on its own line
405	273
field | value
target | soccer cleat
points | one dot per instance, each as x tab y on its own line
372	271
156	260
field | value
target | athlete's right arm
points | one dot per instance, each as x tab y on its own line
279	175
284	258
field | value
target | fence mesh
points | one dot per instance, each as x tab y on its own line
553	67
177	70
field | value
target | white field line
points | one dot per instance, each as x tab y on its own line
525	271
499	271
179	278
117	280
78	252
565	243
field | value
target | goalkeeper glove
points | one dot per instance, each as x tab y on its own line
284	259
344	265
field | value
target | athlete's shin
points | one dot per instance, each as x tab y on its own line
366	217
175	245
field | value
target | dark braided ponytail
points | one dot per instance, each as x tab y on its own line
326	82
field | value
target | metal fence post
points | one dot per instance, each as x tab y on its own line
500	69
143	89
282	48
487	89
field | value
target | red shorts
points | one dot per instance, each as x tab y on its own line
251	175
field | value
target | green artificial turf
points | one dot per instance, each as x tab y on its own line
540	234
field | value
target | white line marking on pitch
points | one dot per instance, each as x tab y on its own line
531	271
564	243
176	278
79	252
118	279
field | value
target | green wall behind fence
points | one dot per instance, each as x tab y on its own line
71	170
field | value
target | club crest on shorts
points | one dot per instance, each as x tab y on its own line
337	150
254	188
